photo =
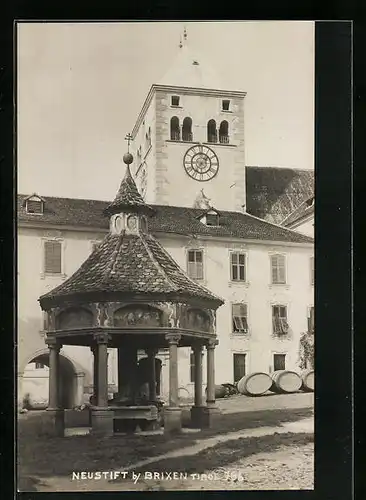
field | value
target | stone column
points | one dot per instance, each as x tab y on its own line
56	417
94	350
211	411
102	416
198	408
173	413
211	372
151	353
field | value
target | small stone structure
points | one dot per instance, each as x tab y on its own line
131	295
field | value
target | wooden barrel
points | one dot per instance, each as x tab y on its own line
285	381
254	384
308	381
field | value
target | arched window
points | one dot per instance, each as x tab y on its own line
211	131
224	132
174	129
187	130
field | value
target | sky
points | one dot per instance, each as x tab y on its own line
80	87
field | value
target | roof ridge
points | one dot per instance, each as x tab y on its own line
113	257
198	285
292	231
154	261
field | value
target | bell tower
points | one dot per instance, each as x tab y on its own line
189	136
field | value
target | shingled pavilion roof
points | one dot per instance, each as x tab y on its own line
127	197
133	264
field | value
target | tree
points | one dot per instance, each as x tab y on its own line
307	350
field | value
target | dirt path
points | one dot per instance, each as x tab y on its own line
301	426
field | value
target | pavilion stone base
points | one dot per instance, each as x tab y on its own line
205	416
172	420
53	422
102	421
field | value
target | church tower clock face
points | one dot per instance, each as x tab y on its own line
201	163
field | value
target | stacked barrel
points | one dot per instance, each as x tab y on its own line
280	382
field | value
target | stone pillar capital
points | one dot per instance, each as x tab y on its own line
53	343
173	338
101	338
197	346
212	343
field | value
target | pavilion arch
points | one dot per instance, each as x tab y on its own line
71	373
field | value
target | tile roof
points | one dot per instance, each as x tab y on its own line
127	197
306	208
133	264
168	219
273	193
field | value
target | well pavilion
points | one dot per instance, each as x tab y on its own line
130	294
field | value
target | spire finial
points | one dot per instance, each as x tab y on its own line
185	34
127	157
180	43
128	138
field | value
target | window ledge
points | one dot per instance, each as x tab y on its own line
284	286
53	275
241	335
245	284
226	111
181	142
221	144
176	107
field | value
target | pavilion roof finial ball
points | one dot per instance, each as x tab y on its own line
128	158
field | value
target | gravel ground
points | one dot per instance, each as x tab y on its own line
289	468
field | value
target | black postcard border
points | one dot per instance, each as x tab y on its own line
334	343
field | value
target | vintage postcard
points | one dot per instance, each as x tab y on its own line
165	255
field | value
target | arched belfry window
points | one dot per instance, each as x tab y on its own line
224	132
211	131
174	129
187	129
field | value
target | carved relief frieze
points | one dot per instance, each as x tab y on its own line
137	316
74	317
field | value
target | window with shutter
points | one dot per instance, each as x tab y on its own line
239	366
279	320
278	269
239	315
52	257
279	362
195	264
238	266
